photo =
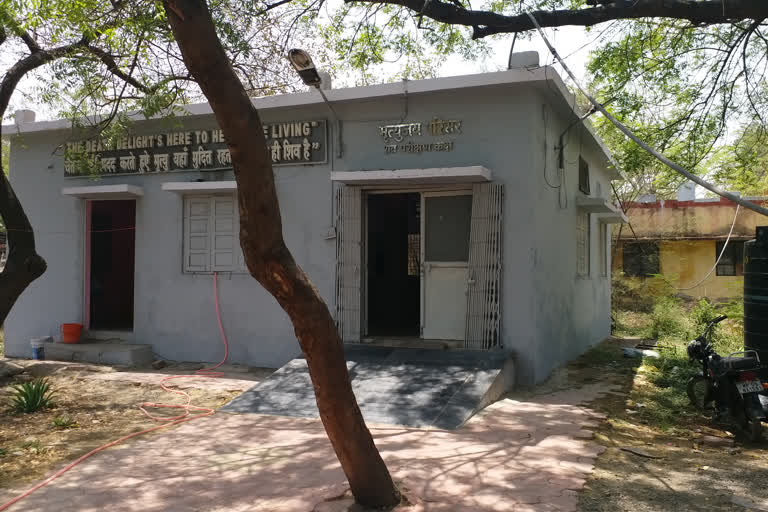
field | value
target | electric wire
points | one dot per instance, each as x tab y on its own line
663	159
717	262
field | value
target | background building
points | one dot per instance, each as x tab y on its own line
681	240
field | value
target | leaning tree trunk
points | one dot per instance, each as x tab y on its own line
269	260
23	265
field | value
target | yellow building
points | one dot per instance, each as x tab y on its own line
682	239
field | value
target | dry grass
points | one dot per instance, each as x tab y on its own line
657	420
31	445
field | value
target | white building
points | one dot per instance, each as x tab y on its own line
467	211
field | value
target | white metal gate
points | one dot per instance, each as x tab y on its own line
483	329
348	262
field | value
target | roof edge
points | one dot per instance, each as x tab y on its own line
534	75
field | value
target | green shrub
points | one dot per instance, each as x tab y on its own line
727	336
702	313
32	396
34	446
668	319
63	422
734	310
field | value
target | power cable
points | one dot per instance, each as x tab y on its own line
717	262
666	161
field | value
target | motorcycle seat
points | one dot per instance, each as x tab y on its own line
739	363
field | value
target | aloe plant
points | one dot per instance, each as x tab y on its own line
32	396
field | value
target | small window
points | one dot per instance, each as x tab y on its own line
603	248
211	240
583	176
582	244
446	228
641	259
732	262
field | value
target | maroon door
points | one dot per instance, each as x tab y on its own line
112	264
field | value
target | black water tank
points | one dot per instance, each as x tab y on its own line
756	294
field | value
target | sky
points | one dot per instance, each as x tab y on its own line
573	43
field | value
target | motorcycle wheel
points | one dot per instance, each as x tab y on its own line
754	430
699	392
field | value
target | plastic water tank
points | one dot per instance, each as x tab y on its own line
756	294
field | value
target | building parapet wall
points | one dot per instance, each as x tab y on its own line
691	220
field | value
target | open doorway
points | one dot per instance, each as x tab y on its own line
112	235
393	265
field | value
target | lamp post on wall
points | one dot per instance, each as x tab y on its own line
302	63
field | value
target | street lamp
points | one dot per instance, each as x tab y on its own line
302	63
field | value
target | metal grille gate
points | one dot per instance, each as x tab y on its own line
485	260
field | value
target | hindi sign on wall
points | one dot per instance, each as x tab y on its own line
395	136
289	143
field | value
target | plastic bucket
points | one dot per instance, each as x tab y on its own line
38	348
70	333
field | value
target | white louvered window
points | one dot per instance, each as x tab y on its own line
211	242
582	244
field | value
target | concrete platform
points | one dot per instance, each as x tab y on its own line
394	386
103	352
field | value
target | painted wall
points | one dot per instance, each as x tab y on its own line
687	232
571	312
502	130
684	263
497	135
692	219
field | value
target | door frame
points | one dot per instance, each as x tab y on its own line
423	245
87	262
448	189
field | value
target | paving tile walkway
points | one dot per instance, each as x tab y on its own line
513	456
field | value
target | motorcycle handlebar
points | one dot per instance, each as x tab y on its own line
719	319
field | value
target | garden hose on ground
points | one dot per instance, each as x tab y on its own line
191	412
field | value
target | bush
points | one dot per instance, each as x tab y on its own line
669	319
32	396
63	423
728	336
702	313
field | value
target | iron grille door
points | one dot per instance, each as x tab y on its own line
348	262
485	260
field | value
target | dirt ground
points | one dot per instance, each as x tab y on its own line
696	465
691	464
102	403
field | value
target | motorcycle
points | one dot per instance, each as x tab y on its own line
735	386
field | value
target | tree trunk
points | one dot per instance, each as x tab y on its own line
269	260
23	265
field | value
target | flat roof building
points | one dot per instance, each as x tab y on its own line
469	212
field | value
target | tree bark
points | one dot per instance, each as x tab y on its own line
485	23
23	265
268	259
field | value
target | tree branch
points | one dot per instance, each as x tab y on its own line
113	68
29	41
276	4
485	23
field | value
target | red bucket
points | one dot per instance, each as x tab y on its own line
70	333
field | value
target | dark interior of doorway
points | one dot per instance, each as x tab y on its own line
393	264
113	249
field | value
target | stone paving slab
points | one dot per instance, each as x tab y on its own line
512	456
409	387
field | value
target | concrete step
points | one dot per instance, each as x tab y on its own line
92	351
